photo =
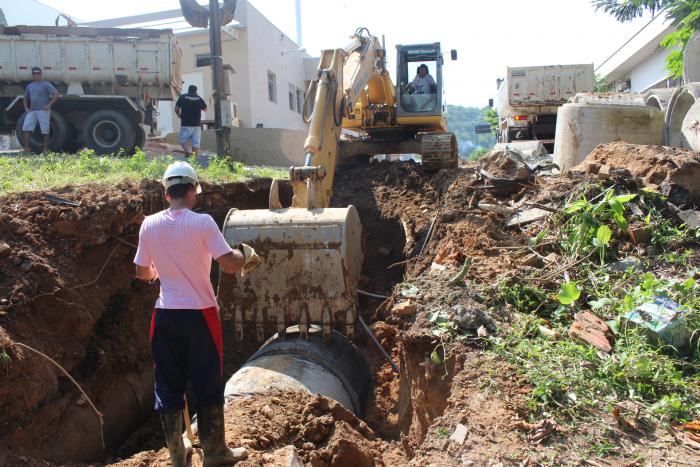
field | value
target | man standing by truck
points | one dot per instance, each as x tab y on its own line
39	96
176	246
189	108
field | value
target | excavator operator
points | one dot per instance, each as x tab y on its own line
423	83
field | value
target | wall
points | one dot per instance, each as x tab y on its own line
262	146
266	43
649	72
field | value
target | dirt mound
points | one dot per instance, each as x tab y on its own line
322	432
658	166
503	163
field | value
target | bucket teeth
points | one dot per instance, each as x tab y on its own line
326	325
238	321
260	323
281	325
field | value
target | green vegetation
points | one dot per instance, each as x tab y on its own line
22	173
600	84
683	14
650	382
461	121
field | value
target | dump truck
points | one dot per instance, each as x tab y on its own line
528	98
110	81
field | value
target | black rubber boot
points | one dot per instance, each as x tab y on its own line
210	424
171	422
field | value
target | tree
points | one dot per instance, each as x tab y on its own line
600	84
683	14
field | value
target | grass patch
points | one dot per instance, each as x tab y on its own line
571	380
26	173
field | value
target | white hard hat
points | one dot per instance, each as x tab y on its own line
179	173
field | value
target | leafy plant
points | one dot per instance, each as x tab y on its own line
568	293
603	236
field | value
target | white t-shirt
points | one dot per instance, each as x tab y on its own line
181	245
424	85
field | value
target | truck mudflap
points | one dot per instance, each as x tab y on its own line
312	259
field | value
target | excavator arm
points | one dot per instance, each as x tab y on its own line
361	68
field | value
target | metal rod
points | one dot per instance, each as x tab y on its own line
430	232
376	342
373	295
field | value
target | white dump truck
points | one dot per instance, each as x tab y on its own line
110	81
528	98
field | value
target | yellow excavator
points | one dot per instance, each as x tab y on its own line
312	254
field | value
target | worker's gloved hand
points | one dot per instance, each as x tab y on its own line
251	258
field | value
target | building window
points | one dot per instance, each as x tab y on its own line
272	86
300	100
292	97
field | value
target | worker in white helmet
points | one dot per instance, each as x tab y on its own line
176	246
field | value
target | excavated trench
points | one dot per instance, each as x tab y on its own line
68	290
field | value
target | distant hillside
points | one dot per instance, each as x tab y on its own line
461	121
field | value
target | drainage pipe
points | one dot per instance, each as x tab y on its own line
335	370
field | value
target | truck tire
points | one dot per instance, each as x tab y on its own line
108	132
140	137
60	130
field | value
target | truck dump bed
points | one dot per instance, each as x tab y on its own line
541	89
128	62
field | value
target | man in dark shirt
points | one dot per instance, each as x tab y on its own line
189	108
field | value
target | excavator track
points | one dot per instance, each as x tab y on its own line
439	151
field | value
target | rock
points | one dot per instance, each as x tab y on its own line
587	327
551	258
604	172
266	410
404	308
675	193
460	434
591	168
283	457
482	331
4	249
640	235
690	218
627	263
531	260
504	164
471	318
349	453
64	227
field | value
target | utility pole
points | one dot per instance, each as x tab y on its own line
217	73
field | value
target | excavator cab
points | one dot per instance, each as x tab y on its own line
420	91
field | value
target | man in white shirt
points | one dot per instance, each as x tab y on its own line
423	83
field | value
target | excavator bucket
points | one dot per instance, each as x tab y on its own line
312	259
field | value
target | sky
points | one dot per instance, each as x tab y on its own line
489	36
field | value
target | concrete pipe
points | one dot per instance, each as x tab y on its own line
335	369
583	126
683	117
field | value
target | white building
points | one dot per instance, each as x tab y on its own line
266	69
638	64
29	13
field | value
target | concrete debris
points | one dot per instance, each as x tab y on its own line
504	164
471	317
527	216
4	249
587	327
689	218
482	332
460	434
404	308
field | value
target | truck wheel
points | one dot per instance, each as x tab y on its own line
140	137
108	132
60	129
